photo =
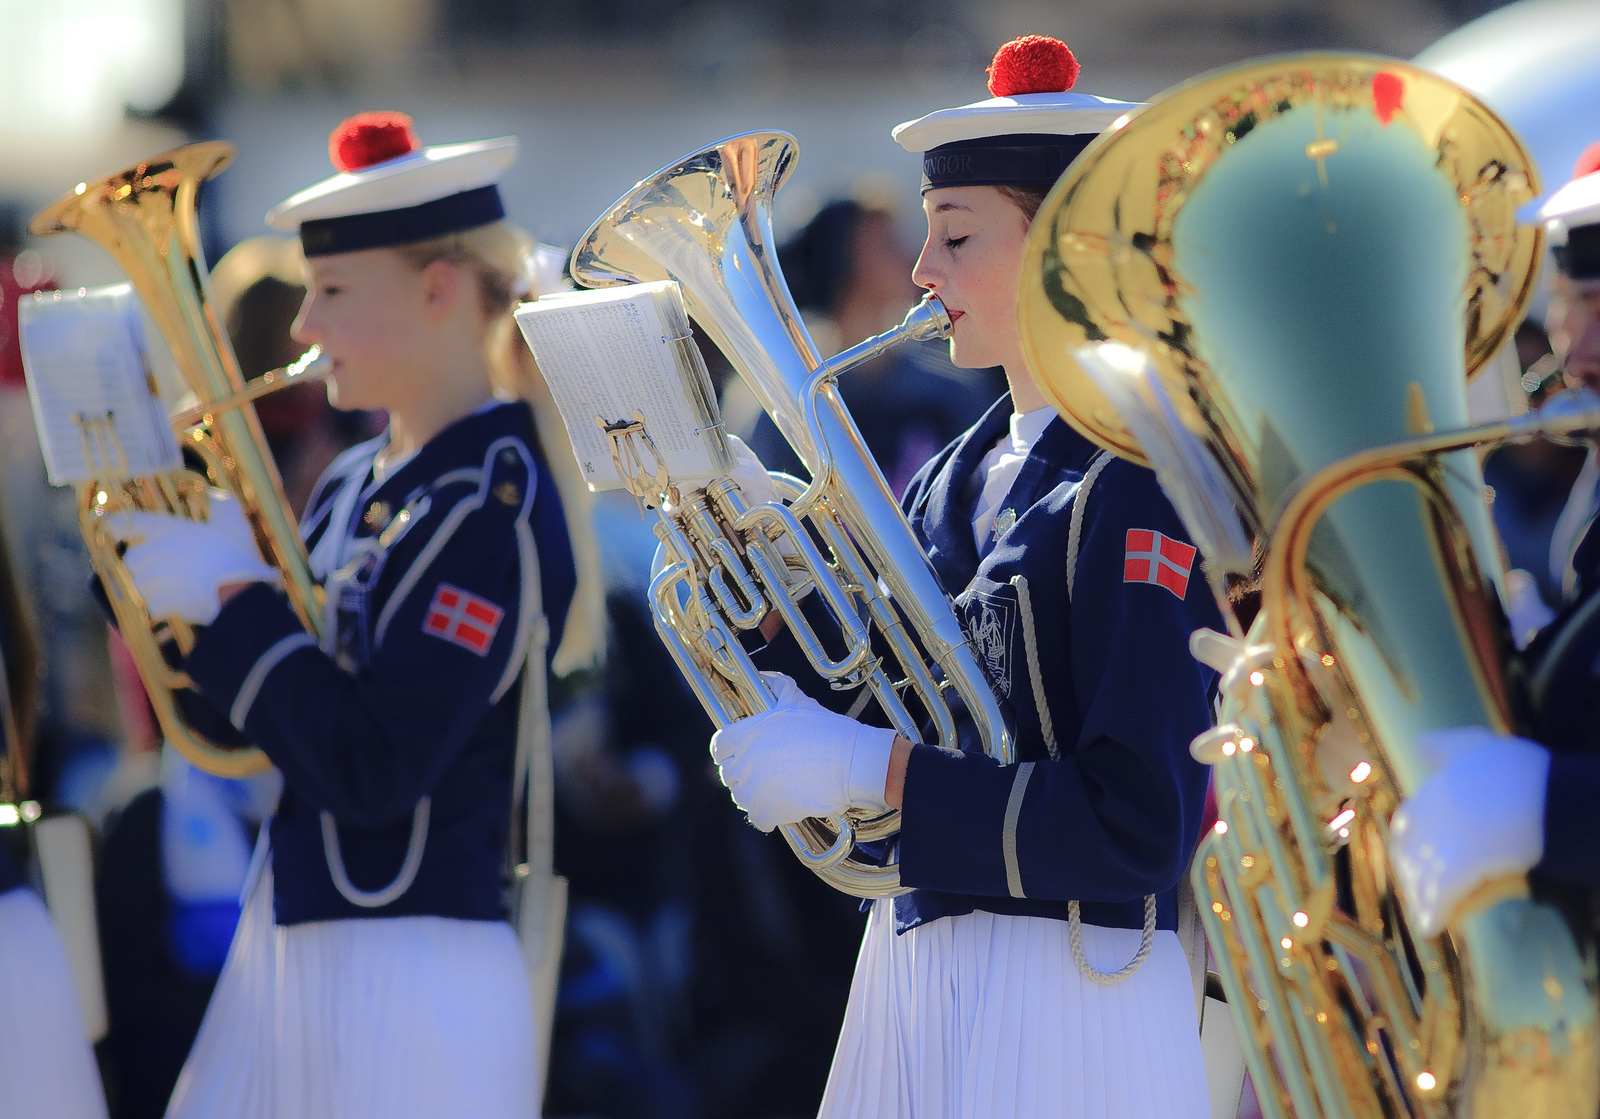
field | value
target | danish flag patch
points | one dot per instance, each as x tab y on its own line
1153	558
464	619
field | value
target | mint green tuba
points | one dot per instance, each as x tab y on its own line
1272	284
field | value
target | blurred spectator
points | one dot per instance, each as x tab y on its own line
21	271
77	718
706	970
850	275
172	868
46	1065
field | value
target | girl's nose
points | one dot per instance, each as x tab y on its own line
302	329
923	274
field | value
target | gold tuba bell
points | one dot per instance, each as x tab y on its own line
144	217
706	222
1272	284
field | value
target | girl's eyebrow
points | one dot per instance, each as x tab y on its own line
945	206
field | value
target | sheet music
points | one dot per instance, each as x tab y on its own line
96	406
615	351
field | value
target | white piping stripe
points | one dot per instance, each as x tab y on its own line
519	647
463	474
1030	644
251	687
1008	839
1075	530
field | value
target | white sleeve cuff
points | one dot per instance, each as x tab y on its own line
869	767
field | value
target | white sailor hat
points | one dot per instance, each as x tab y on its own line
1026	134
1571	219
390	190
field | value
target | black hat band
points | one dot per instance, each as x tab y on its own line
1024	159
1580	256
383	228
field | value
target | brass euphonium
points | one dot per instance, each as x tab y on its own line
144	217
1272	284
705	222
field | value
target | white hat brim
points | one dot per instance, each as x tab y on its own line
396	184
1574	205
1056	114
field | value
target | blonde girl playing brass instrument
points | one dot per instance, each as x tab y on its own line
373	972
1034	969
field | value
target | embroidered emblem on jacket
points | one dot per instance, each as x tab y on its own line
1004	522
462	618
1154	558
989	624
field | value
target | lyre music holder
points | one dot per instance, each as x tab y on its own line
629	440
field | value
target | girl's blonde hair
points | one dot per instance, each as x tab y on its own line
501	258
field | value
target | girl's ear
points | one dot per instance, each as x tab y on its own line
441	288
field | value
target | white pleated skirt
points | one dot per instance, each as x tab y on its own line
396	1016
982	1016
46	1065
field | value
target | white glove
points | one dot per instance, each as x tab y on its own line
751	475
755	484
1339	752
179	565
226	514
756	487
799	759
1526	610
1479	817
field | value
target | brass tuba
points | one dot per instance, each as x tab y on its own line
1272	284
706	223
144	217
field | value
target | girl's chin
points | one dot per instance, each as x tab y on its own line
346	397
965	357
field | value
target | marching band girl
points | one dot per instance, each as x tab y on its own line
1034	968
373	971
1499	805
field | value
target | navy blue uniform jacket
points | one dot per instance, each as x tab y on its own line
1563	668
1108	810
416	693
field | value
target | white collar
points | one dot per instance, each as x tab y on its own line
1027	427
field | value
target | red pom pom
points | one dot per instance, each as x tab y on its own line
1032	64
1589	162
369	138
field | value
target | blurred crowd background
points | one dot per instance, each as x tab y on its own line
705	972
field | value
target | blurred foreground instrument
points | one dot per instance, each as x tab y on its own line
1272	284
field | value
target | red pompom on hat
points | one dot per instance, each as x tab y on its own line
1589	162
1032	64
1031	96
369	138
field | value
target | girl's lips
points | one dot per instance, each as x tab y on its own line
954	315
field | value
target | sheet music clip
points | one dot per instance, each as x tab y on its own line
629	440
103	452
